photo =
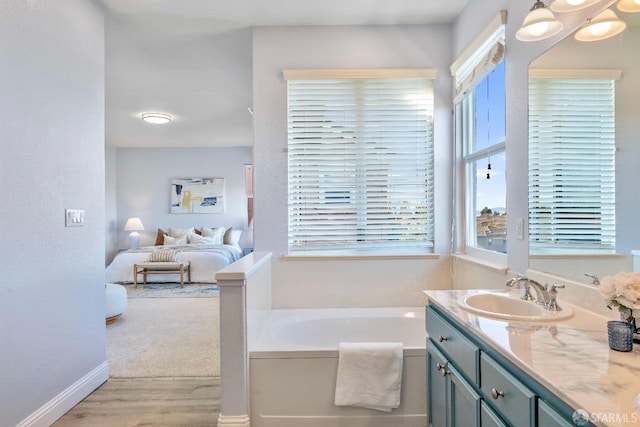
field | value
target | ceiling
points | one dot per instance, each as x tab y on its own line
192	59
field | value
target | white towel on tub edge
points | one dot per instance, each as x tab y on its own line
369	375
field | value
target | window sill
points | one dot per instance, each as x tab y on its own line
481	262
353	257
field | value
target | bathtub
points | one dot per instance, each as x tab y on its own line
293	363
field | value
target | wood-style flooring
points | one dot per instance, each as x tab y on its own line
131	402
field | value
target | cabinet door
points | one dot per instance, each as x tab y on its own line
548	417
437	407
464	402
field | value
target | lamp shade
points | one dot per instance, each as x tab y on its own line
604	25
629	6
539	24
133	224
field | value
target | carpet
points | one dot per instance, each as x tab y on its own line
172	290
165	337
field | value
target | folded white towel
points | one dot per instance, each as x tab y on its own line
369	375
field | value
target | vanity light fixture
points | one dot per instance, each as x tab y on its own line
539	24
629	6
156	118
604	25
571	5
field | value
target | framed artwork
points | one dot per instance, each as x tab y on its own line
197	195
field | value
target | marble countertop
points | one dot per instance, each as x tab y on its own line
570	357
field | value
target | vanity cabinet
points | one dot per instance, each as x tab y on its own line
469	384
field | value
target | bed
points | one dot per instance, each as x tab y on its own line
207	256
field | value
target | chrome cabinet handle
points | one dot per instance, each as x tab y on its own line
443	369
442	338
496	393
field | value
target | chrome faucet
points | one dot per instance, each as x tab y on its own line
594	279
552	304
542	296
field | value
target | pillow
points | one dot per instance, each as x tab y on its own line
197	238
163	255
235	237
226	239
180	232
168	240
160	237
216	233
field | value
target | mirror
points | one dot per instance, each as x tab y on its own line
616	53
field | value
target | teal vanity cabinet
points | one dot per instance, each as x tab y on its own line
470	384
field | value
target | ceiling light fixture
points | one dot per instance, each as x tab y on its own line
539	24
156	118
604	25
630	6
571	5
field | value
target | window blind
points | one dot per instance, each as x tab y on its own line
360	164
480	58
571	165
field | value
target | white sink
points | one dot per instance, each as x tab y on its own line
510	307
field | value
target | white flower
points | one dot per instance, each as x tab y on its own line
622	291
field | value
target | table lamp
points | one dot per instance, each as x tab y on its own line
134	225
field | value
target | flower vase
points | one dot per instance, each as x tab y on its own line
620	334
626	316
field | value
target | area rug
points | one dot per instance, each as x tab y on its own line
172	290
165	337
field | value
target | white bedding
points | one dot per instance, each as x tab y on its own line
206	260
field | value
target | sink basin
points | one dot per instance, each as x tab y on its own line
509	307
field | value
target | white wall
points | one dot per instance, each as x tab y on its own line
111	213
338	47
143	187
299	282
278	48
52	125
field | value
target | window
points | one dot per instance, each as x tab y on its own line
571	164
480	104
483	109
360	163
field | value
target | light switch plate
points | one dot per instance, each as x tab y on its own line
520	229
74	217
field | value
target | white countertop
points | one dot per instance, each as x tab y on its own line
570	357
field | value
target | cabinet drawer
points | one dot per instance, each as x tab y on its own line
510	397
458	349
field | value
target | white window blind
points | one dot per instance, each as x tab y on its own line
571	165
360	164
480	58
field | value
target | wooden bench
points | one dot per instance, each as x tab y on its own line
176	267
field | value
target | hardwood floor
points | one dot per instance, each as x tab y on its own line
131	402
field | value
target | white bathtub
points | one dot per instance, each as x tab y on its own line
294	360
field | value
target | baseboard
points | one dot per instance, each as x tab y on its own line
51	411
234	421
